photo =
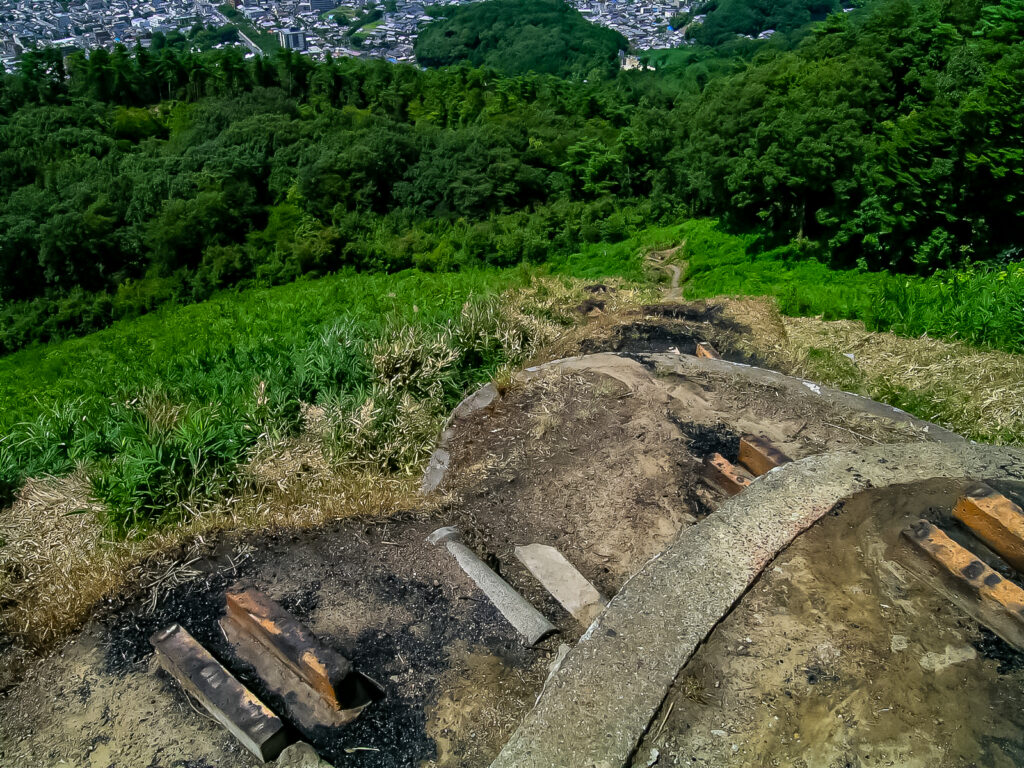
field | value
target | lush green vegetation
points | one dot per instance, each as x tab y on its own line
163	408
889	138
521	36
725	19
872	170
980	304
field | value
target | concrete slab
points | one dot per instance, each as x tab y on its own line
684	364
567	585
436	469
601	700
517	610
232	704
440	459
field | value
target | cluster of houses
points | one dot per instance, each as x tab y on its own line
367	28
646	25
26	24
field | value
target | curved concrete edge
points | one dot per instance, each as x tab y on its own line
595	708
437	466
687	364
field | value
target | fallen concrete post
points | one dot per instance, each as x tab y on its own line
318	685
232	704
517	610
759	455
725	475
994	519
566	584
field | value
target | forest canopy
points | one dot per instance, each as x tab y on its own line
519	36
725	19
888	138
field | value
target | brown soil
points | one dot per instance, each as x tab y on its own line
839	657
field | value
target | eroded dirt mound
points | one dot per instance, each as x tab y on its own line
839	657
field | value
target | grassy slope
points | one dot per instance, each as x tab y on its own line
194	350
164	407
981	306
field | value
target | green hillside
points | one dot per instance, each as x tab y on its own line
520	36
872	170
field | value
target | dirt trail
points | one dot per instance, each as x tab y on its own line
660	260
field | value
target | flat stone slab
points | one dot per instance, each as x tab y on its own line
598	704
232	704
567	585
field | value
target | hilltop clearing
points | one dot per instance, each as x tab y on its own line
353	445
601	457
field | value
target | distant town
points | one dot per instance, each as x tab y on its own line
363	28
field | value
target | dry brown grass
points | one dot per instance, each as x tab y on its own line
978	393
56	564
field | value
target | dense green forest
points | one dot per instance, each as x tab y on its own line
520	36
888	138
725	19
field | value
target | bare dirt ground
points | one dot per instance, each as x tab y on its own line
602	464
839	657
